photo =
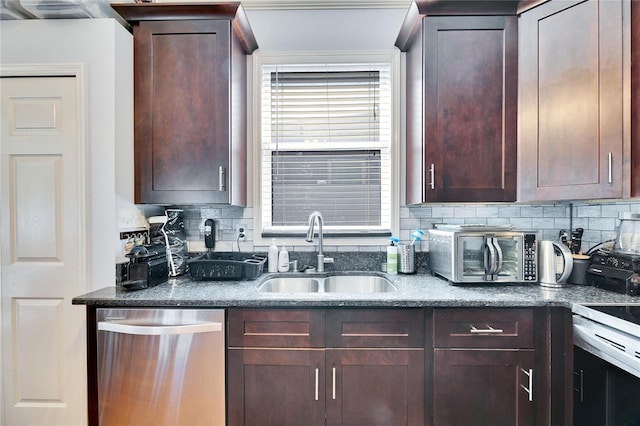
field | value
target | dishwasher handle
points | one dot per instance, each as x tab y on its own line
149	329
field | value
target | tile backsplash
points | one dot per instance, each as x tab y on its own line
599	220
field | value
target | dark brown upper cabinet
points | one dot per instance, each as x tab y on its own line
190	101
575	100
461	90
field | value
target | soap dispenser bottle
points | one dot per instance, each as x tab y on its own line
272	257
283	260
392	256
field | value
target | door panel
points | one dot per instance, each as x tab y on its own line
37	378
276	387
375	387
572	89
470	93
34	115
36	214
563	115
43	344
182	109
483	387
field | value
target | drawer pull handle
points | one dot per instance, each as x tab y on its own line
528	390
489	330
317	373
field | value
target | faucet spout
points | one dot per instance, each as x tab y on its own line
313	218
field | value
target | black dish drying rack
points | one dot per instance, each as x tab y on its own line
226	266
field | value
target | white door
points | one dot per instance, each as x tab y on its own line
41	252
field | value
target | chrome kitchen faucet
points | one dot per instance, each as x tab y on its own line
317	216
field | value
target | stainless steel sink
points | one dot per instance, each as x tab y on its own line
290	285
358	284
336	283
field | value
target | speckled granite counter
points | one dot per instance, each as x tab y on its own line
419	290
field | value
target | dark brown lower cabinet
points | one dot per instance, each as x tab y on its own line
492	367
355	379
375	387
276	387
400	366
483	387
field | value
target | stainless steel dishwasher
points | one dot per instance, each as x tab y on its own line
161	367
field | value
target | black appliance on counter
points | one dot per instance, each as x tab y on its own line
618	269
147	267
613	271
606	371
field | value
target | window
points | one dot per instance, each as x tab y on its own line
326	145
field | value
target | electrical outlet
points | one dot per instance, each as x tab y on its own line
241	232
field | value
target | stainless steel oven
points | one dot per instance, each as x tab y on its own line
606	364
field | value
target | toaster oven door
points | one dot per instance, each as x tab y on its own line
490	258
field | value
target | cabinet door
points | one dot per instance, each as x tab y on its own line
276	387
571	105
182	86
589	389
483	387
470	109
375	387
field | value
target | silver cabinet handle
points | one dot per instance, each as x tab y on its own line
432	174
333	392
222	179
581	385
317	373
610	167
528	390
145	329
490	330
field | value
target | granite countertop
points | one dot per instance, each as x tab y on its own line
420	290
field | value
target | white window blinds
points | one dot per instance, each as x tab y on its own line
326	146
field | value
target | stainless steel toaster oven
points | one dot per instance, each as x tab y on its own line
479	254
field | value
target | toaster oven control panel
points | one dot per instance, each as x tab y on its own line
530	263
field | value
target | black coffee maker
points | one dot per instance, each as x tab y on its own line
147	267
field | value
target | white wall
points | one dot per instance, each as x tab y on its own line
324	30
105	49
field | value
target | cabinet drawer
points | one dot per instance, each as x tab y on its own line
375	328
483	328
268	328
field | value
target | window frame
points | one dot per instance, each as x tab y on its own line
258	59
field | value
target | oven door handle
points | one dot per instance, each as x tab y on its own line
492	258
489	258
498	255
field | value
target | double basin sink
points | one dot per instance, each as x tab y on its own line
357	282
